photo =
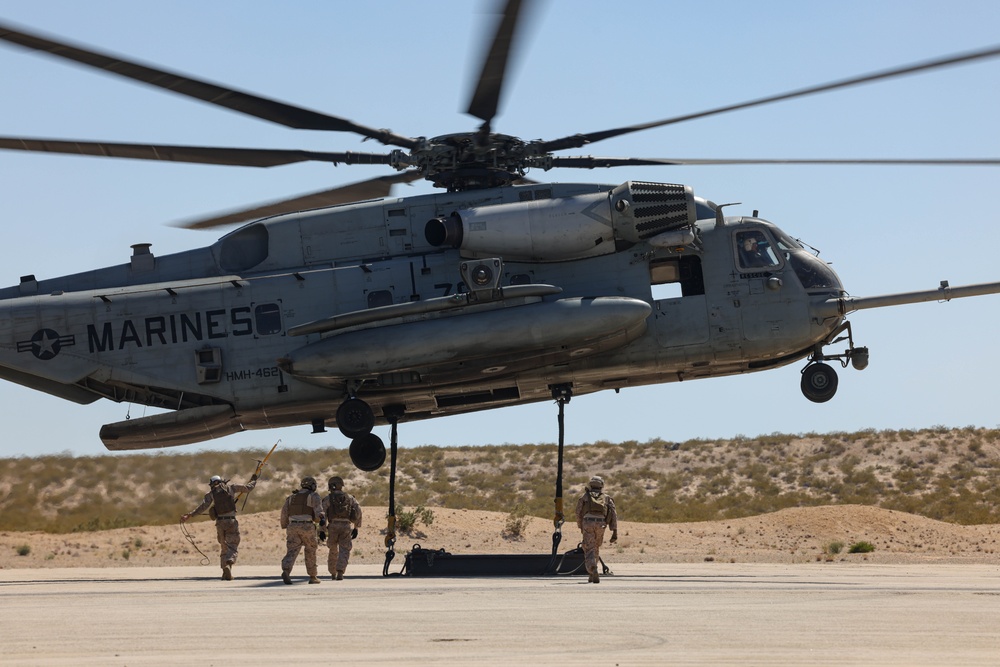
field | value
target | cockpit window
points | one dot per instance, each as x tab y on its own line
785	242
755	251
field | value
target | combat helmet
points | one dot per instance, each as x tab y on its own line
596	482
336	483
215	480
309	483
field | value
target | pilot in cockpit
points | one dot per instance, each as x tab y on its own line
750	254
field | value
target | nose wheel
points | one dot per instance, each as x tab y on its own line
819	382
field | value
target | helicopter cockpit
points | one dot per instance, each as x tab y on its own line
756	249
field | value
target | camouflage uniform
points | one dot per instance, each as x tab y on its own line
341	510
227	528
298	514
595	511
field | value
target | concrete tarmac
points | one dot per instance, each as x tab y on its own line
651	614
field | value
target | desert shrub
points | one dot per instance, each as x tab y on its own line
861	548
517	521
24	550
834	548
406	521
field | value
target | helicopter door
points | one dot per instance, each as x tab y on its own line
761	287
679	305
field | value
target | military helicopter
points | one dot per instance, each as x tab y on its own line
356	308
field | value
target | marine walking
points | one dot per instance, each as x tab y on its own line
595	512
302	510
343	515
221	497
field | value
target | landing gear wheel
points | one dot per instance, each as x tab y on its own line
355	418
819	383
367	452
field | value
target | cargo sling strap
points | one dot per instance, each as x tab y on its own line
205	560
392	413
561	393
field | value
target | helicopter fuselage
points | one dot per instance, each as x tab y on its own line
389	301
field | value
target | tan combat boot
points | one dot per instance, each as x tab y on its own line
340	575
313	579
286	577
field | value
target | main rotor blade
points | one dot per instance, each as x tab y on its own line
246	103
240	157
578	140
371	189
486	97
588	162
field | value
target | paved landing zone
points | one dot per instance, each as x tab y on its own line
679	614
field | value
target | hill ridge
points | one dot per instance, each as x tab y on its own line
951	475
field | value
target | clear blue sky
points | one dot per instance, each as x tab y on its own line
586	66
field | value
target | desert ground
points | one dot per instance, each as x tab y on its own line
796	535
744	591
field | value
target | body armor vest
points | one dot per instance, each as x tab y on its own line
222	500
298	504
340	506
596	503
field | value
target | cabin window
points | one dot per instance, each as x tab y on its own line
676	277
381	297
267	317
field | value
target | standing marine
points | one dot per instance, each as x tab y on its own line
343	514
222	499
595	511
299	515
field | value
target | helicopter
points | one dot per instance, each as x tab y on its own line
527	277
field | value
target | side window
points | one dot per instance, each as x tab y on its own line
382	297
267	318
677	276
754	250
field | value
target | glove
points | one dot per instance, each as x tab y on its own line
185	517
322	523
614	536
354	534
322	536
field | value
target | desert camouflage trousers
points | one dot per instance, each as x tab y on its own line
593	537
228	533
340	544
300	534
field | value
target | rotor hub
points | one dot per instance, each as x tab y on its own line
471	160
